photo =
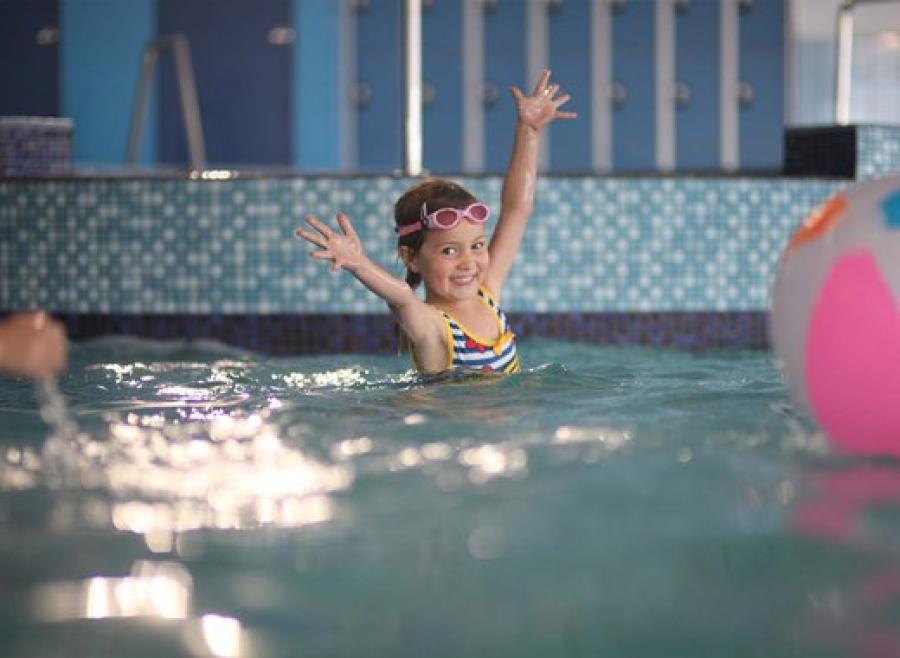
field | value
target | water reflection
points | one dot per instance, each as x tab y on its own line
222	635
153	590
227	470
223	446
850	508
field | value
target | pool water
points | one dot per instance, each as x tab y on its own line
193	500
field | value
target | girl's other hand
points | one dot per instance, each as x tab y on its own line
542	107
344	249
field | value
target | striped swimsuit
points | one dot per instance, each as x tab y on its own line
471	352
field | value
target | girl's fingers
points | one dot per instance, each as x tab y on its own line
321	255
319	226
316	239
542	82
517	94
344	222
562	100
552	90
565	115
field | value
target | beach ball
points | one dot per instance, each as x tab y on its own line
835	317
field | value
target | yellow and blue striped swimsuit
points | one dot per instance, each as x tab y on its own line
471	352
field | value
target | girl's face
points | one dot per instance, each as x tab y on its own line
453	263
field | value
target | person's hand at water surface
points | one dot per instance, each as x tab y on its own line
344	249
32	345
542	106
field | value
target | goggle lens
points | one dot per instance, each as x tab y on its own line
478	212
446	217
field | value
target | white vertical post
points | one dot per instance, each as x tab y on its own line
665	85
349	118
473	81
791	92
844	63
538	49
412	164
729	81
601	85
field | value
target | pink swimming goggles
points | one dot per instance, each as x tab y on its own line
445	219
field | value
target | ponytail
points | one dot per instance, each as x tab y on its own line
413	279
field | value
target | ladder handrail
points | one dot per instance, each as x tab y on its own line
187	92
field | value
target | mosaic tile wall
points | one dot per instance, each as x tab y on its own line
877	151
227	247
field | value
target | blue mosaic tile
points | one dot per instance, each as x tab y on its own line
199	247
878	151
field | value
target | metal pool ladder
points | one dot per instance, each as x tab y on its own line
187	92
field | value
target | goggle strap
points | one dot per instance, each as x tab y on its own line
406	229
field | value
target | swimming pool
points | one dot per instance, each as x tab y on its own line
606	501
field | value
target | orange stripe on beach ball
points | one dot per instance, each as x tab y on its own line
819	221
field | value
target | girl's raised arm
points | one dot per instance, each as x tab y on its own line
345	251
533	114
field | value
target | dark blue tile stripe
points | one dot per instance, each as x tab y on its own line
377	332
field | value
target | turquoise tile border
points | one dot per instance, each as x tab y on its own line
593	245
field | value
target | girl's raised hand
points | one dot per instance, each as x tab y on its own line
344	249
542	107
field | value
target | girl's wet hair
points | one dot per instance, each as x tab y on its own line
436	193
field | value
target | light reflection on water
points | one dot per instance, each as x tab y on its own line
152	591
615	498
208	469
190	457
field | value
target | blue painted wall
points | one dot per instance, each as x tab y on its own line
101	46
634	122
762	66
28	70
380	67
505	63
570	39
442	71
100	51
316	96
697	51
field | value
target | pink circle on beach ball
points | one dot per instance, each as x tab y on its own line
853	357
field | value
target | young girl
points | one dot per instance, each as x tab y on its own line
442	241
